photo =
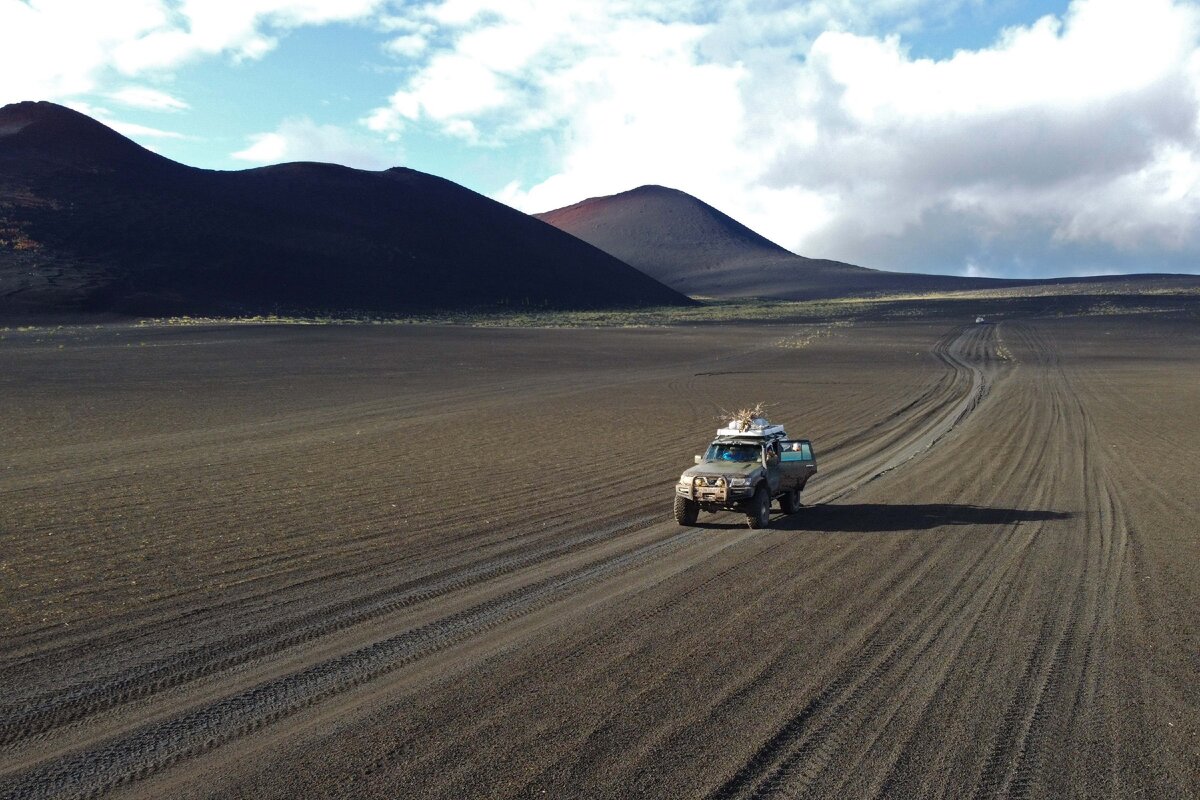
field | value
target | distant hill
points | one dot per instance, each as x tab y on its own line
92	222
696	249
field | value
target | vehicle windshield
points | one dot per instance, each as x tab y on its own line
733	452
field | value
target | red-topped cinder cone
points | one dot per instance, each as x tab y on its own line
701	251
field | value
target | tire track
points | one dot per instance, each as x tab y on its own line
1062	664
153	747
798	754
43	712
801	754
643	616
1036	456
938	415
141	752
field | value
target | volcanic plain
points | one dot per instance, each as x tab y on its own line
438	560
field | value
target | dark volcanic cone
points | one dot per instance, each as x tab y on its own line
92	222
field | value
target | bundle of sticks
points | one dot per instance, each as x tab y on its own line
743	418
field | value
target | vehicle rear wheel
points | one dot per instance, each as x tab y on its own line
789	502
686	511
759	513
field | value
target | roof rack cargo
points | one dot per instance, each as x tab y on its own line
757	427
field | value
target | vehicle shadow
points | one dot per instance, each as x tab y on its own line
884	517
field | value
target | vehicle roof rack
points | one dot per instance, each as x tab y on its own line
756	428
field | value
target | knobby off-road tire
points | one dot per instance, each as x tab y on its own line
789	502
759	513
686	511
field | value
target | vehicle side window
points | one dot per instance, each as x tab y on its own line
806	451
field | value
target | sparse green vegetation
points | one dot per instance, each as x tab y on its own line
1117	299
708	312
1064	300
809	334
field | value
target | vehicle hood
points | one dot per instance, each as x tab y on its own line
729	469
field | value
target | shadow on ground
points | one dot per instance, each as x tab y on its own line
880	517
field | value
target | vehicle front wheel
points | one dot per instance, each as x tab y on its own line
789	502
686	511
759	513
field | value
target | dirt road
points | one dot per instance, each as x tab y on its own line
439	562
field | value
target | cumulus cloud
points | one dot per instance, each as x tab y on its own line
50	49
1067	145
515	67
1064	134
148	98
55	49
131	129
617	88
301	139
408	45
242	29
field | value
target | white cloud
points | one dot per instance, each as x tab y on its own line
134	130
130	129
148	98
1068	144
52	49
408	46
1063	136
629	90
265	148
453	88
242	29
301	139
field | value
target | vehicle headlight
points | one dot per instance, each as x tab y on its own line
685	480
738	481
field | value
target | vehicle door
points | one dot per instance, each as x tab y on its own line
773	466
797	462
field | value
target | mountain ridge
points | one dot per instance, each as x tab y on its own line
91	222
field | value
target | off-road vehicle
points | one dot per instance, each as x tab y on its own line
750	463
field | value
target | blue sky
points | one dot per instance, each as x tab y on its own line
962	136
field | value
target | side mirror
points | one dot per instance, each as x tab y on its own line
699	459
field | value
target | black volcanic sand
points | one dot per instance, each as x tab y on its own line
438	562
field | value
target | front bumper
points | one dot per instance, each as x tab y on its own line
719	494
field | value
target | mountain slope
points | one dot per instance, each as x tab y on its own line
698	250
92	222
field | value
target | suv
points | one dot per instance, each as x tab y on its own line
744	468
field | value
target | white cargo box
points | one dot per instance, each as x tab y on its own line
757	427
